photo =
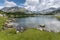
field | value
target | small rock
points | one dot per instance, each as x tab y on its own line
17	31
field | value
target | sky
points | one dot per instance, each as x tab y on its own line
39	5
11	3
33	5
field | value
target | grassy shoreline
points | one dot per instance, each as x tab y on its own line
29	34
58	17
2	21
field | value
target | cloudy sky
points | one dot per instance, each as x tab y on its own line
11	3
38	5
33	5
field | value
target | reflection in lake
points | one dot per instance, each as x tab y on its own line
50	21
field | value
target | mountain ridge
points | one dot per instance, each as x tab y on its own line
21	9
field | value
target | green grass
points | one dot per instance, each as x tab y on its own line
2	21
58	17
30	34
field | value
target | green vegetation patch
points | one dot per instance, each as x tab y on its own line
58	17
2	21
30	34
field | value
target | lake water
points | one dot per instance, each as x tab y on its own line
51	23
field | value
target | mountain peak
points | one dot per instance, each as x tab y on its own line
12	9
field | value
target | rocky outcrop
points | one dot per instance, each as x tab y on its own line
10	24
41	27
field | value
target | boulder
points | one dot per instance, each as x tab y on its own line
42	25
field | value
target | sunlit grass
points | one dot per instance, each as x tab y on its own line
2	21
57	17
30	34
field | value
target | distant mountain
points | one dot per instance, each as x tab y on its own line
13	9
48	11
1	12
20	9
58	10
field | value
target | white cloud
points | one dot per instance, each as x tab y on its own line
9	4
31	4
1	7
36	5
